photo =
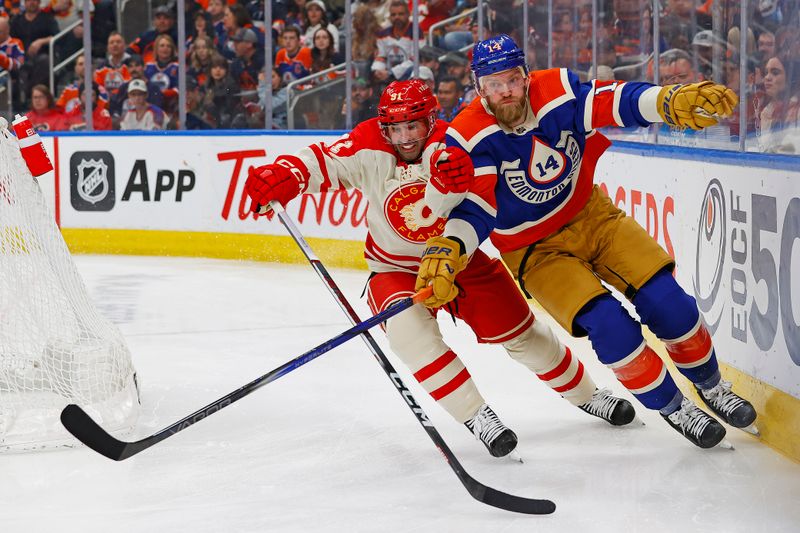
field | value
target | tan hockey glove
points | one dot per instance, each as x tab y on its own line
695	105
442	260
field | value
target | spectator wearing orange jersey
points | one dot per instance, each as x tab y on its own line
293	61
113	72
70	96
9	8
101	119
12	52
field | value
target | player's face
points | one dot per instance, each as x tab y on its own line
408	138
505	94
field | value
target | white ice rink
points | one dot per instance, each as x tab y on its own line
333	447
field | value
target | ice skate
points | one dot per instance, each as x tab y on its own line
487	428
697	426
615	411
730	407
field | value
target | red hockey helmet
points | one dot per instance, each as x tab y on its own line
404	101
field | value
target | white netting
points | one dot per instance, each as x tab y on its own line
55	348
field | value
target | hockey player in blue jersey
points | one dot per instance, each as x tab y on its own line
534	144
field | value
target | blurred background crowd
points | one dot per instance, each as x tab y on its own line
322	64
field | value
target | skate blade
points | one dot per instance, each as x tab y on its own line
637	420
515	457
725	444
752	430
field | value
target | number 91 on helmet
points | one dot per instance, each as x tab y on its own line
406	116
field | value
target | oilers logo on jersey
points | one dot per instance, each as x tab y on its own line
547	165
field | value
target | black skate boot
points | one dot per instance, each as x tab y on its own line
487	428
726	404
615	411
694	424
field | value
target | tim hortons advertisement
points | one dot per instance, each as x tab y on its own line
188	183
735	233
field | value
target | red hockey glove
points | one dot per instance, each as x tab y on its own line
271	182
451	170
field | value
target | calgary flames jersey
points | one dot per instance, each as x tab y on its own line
399	220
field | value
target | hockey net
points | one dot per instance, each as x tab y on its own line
55	348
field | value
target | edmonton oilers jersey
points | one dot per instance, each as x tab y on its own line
531	180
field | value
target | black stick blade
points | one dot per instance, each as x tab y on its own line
91	434
509	502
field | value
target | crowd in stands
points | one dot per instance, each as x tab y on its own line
136	83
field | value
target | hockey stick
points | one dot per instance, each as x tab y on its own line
89	432
477	490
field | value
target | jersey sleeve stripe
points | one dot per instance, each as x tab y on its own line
486	171
588	109
473	141
648	104
326	180
483	204
615	108
463	230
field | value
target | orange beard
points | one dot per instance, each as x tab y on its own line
509	114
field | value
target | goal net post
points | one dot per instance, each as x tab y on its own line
55	347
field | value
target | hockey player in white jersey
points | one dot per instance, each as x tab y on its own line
387	159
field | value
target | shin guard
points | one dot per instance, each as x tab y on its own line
617	339
672	315
540	350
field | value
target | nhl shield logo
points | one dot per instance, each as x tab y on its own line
92	181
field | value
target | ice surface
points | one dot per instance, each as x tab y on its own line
332	446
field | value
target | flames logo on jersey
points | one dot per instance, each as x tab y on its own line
411	219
